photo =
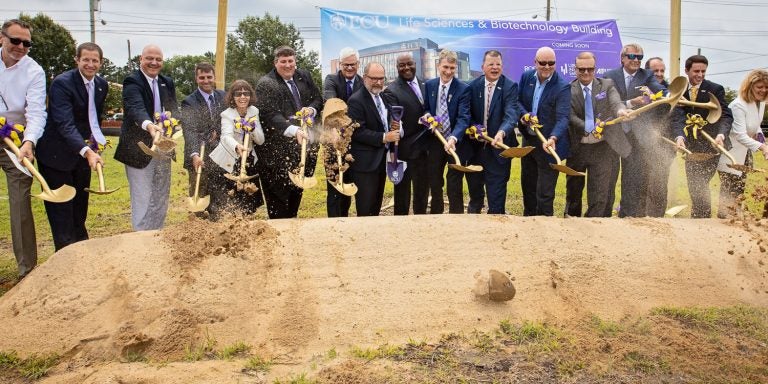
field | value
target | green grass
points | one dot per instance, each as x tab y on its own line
235	350
752	322
33	367
258	364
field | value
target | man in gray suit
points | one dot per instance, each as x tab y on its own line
594	149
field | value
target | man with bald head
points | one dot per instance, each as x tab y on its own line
546	95
146	92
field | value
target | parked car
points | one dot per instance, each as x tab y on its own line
116	117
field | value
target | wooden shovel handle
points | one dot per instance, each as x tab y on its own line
451	152
718	146
544	141
490	140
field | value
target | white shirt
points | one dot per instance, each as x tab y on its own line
22	87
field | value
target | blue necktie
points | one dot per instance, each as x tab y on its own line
349	88
380	108
442	110
295	93
589	114
156	96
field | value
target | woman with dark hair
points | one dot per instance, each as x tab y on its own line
240	122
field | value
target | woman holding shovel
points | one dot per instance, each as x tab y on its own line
240	131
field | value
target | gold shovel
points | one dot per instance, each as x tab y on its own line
348	189
243	176
102	189
457	166
733	164
195	203
510	152
59	195
157	143
559	166
298	178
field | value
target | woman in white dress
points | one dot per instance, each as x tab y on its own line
746	137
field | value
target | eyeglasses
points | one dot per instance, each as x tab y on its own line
243	93
546	63
585	70
17	41
349	65
634	56
376	78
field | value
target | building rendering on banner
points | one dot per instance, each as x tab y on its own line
425	54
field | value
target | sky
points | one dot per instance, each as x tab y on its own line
731	33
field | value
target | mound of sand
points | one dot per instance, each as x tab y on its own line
295	288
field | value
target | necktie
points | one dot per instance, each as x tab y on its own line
488	96
627	81
156	97
416	90
380	108
210	104
443	109
295	93
349	88
693	93
589	114
93	117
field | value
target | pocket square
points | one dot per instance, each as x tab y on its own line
600	95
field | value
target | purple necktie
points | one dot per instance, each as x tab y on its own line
416	90
295	93
349	88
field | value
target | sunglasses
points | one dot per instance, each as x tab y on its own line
585	70
546	63
634	56
17	41
241	94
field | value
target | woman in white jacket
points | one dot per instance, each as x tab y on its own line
748	110
230	151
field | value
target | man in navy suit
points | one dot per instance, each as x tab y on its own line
342	85
75	107
407	91
201	122
635	167
546	95
146	92
493	104
369	140
447	98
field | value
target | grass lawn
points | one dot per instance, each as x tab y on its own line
110	214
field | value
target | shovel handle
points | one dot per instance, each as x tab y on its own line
490	140
451	152
718	146
544	141
100	173
199	170
244	154
685	150
28	164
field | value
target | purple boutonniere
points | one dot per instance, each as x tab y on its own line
600	95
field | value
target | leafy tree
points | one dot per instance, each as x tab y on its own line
182	70
54	47
730	95
250	48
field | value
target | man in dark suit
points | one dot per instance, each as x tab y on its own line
369	140
597	153
545	94
282	92
493	104
635	167
201	122
407	91
699	173
662	154
447	98
145	93
341	85
75	107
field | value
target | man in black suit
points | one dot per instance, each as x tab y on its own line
145	93
201	122
75	107
699	173
635	168
341	85
369	140
407	91
595	152
281	93
446	97
662	153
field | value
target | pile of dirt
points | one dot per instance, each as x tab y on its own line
295	289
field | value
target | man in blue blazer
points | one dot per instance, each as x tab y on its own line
146	92
446	97
493	104
635	167
546	95
75	107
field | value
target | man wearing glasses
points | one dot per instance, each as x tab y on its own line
341	85
546	95
597	153
22	101
635	167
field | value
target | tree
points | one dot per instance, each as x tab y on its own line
182	70
250	48
54	47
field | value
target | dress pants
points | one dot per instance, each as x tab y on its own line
699	173
370	190
67	219
150	189
496	176
437	159
415	177
475	183
538	181
658	182
337	203
602	166
283	207
22	221
634	180
731	187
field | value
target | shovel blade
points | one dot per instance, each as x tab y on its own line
468	168
745	168
59	195
346	189
699	156
302	181
199	204
672	212
516	152
567	170
97	192
395	171
152	151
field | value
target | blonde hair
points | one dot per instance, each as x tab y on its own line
754	77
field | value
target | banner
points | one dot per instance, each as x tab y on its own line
382	38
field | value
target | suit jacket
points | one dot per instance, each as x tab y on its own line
138	106
746	124
414	141
722	126
553	112
458	110
642	77
67	126
605	105
281	154
366	147
336	86
225	153
199	123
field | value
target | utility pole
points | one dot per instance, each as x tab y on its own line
549	9
221	44
130	63
674	39
91	10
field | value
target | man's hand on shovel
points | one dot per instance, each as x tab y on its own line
498	139
27	151
93	158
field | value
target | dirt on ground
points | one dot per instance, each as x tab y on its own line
317	299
